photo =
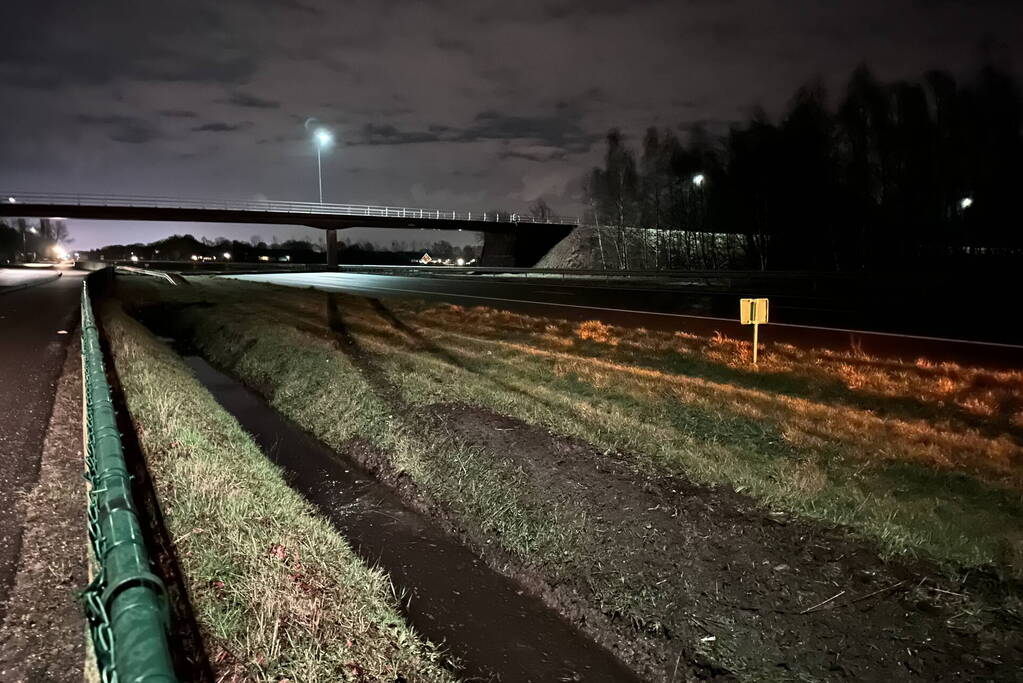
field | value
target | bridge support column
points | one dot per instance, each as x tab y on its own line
331	248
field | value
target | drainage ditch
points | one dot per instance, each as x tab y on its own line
487	621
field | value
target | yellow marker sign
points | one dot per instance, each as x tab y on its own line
753	312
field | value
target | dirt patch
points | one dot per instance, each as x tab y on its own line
759	592
494	630
43	633
643	655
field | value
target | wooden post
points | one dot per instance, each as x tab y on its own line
756	341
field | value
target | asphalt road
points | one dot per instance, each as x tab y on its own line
11	278
32	352
681	306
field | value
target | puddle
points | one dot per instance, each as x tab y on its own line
483	618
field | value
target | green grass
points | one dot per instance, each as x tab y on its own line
313	384
277	591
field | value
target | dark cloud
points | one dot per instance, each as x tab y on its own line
467	105
533	153
560	132
377	134
245	100
179	113
221	127
555	131
63	42
119	128
295	4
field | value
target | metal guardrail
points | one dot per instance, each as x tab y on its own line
274	206
126	603
163	275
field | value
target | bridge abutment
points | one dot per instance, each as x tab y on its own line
524	247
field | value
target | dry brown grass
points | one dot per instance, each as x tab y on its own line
922	456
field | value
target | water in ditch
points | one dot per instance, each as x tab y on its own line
483	618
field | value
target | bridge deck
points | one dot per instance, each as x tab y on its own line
324	216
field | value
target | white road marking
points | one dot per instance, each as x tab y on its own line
287	279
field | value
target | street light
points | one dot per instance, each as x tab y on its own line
323	139
698	179
965	202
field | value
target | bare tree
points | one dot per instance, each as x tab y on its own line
541	210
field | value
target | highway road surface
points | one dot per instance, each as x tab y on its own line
35	328
797	320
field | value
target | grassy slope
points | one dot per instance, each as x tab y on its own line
924	459
277	591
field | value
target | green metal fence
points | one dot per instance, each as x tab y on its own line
126	603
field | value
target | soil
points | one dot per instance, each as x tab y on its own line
43	633
757	591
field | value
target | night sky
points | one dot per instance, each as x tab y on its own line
452	105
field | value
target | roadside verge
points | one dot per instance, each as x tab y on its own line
43	606
276	590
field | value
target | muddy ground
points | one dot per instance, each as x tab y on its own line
740	587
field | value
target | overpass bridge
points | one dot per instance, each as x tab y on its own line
508	237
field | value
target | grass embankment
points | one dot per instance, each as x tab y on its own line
276	590
923	459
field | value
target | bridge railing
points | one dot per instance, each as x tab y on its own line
275	206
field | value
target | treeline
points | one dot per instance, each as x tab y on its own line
24	241
185	247
188	247
893	176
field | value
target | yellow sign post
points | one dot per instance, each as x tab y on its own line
753	312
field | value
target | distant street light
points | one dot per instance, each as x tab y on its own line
227	255
323	139
12	200
965	202
698	179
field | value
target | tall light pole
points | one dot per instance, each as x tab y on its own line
323	139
